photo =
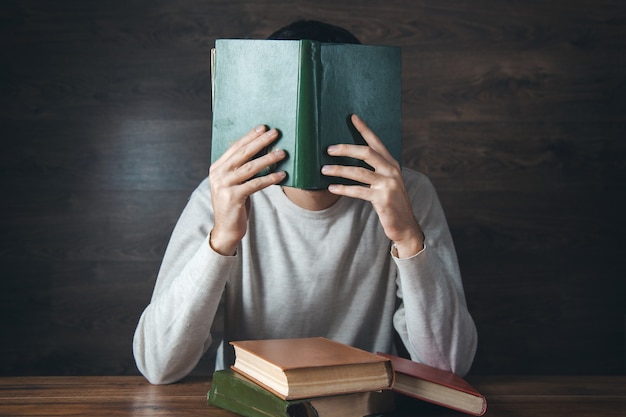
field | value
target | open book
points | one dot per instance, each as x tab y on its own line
307	90
436	386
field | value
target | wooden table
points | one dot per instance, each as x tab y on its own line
132	396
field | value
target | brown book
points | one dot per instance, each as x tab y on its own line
435	386
311	367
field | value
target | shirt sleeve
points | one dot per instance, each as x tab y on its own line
174	330
432	319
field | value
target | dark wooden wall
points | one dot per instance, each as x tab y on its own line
516	109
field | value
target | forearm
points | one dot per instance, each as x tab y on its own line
174	330
434	321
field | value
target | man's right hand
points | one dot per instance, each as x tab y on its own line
232	179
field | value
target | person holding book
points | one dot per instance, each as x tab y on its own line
360	264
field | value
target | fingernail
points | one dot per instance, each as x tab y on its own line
325	169
259	128
332	149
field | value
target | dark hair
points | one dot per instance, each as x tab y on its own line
314	30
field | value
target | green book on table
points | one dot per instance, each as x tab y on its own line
307	90
234	392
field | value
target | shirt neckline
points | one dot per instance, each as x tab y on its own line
280	199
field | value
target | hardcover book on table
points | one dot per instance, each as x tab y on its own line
435	386
307	90
311	367
236	393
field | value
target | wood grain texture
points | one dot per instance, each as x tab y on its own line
103	396
515	109
131	395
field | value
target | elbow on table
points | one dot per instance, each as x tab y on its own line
154	374
159	378
465	359
152	369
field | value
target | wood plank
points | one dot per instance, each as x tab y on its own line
120	396
105	225
516	110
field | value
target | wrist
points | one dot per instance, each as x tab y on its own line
410	246
224	247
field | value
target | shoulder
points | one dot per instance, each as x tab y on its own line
422	194
199	206
202	193
415	181
204	186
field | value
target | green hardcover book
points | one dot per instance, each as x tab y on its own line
234	392
307	90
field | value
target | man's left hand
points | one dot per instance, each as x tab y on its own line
383	187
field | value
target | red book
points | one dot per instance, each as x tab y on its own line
435	386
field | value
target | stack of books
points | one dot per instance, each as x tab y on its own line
320	377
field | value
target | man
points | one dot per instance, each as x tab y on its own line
360	264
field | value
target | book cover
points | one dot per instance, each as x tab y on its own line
234	392
311	367
436	386
307	90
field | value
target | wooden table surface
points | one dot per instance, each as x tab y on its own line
132	396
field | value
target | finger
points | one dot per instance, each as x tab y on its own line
258	183
362	175
354	191
361	152
248	146
244	140
248	149
371	138
260	165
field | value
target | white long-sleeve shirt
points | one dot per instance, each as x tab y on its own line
301	273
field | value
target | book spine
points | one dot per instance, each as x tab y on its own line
307	153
